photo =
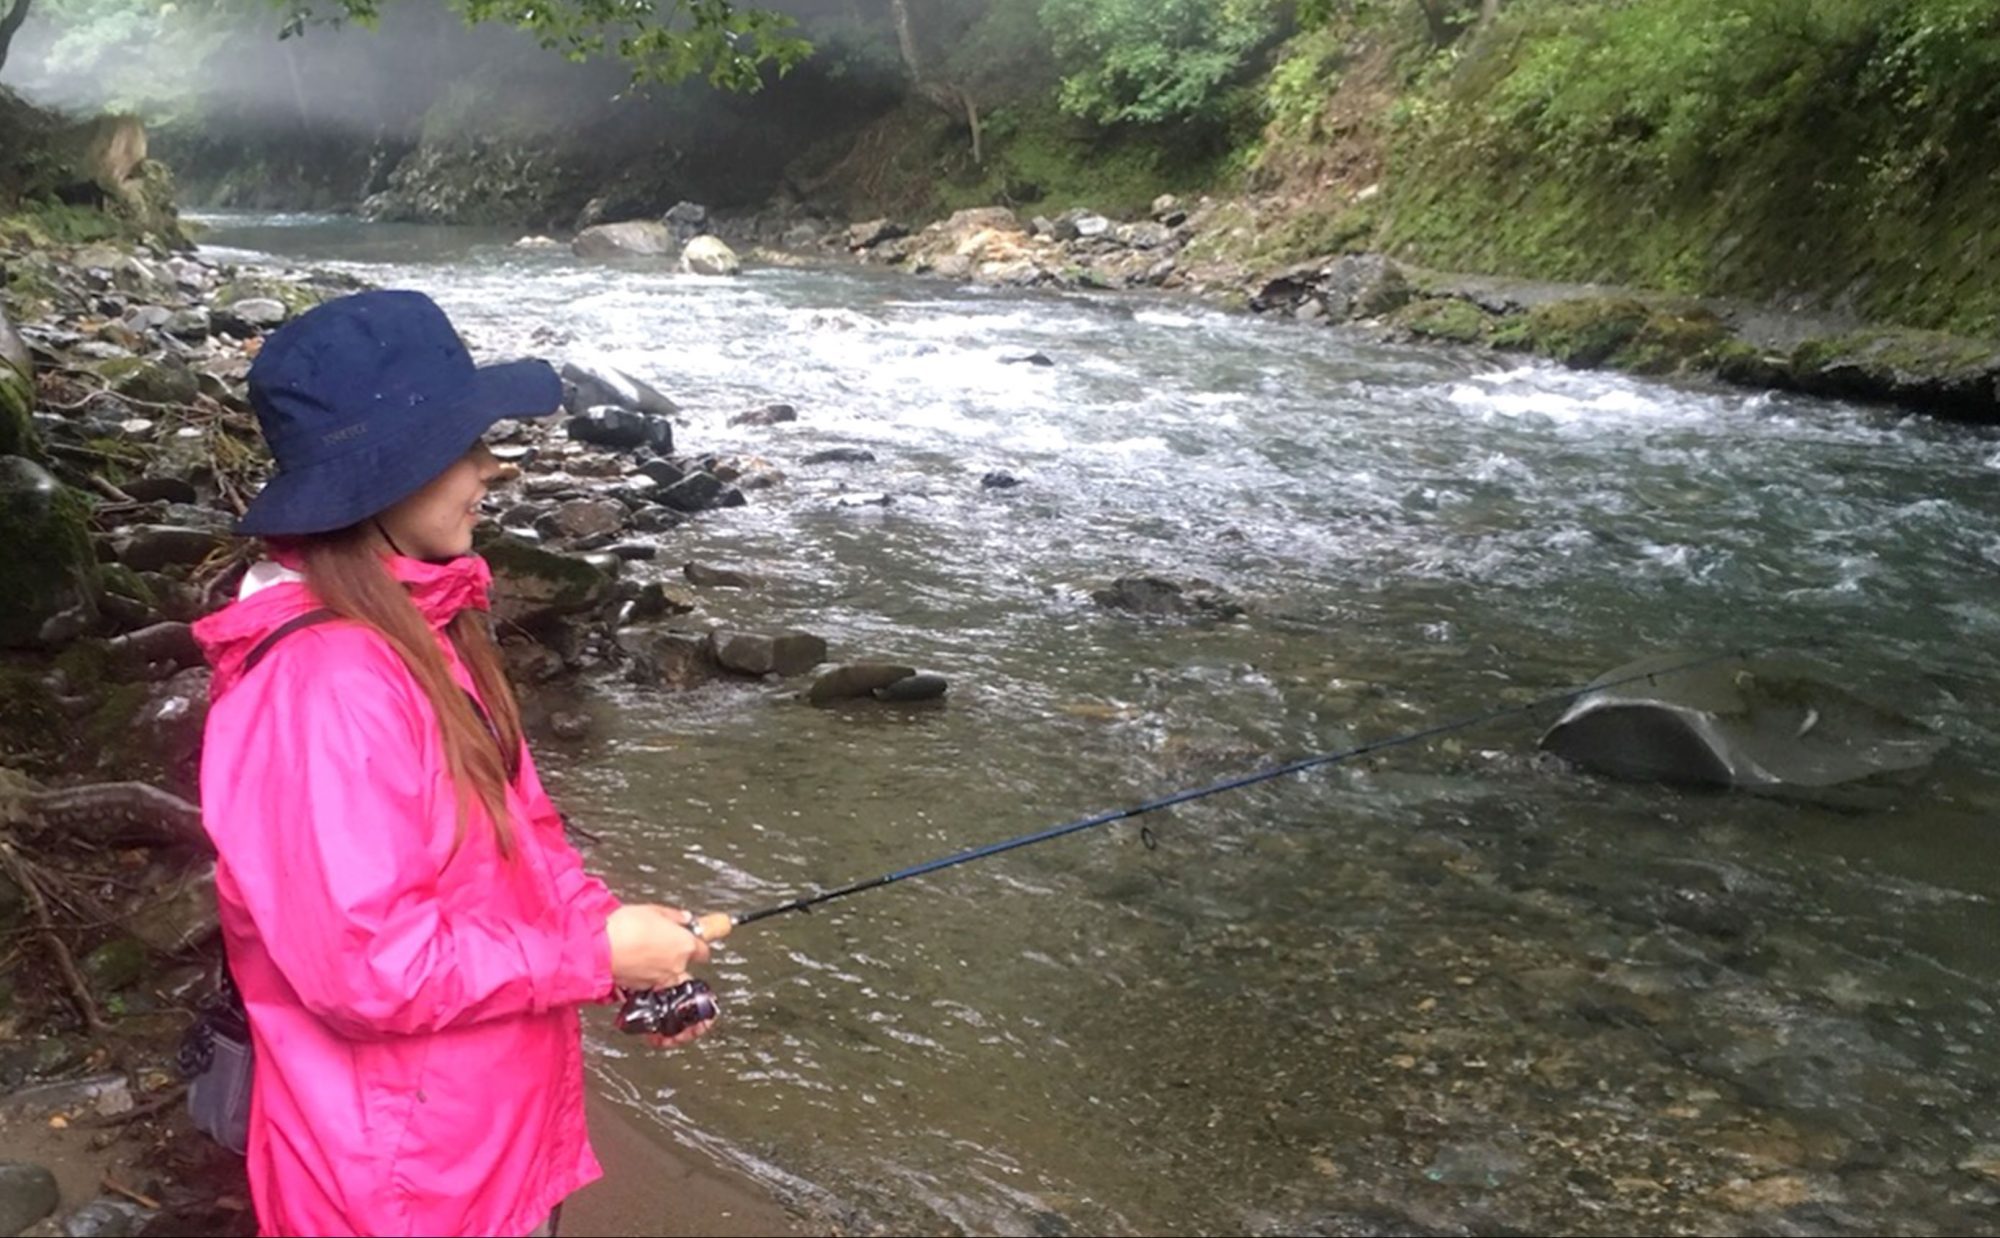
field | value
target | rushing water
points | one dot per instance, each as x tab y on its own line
1457	987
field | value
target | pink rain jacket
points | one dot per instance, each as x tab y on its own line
414	1011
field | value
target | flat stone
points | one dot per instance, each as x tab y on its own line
657	599
841	455
786	654
632	238
28	1192
913	688
150	547
717	577
858	679
93	1092
769	415
694	493
589	517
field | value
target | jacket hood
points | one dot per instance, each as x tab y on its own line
271	598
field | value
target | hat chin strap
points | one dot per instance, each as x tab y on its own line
377	522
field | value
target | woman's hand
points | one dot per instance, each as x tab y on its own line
651	947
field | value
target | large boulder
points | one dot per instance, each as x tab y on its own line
46	558
591	383
621	429
710	255
1735	722
786	654
17	392
533	587
633	238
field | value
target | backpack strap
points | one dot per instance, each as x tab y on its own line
322	615
311	617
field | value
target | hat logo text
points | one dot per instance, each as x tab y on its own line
340	436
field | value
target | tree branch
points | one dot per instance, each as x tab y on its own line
11	24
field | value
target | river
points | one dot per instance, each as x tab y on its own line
1453	988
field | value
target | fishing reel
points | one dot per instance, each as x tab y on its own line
667	1012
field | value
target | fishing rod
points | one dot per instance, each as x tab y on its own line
667	1011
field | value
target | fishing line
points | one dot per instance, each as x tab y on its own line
716	925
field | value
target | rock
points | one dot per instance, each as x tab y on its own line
858	679
165	381
46	557
190	324
569	724
589	384
1143	235
866	498
117	964
635	552
532	586
709	255
185	918
150	547
621	429
662	473
840	455
538	242
686	220
676	660
1156	595
999	479
657	599
261	313
107	1216
163	738
1033	358
28	1192
697	492
633	238
786	654
107	1093
769	415
872	233
913	688
17	392
980	219
589	517
1733	722
1349	287
154	652
1167	209
717	577
1090	225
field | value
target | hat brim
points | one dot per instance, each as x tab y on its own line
343	492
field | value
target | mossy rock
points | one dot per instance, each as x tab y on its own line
296	298
153	382
46	557
1887	363
17	405
34	731
117	964
1448	318
1672	342
1585	332
1742	363
532	585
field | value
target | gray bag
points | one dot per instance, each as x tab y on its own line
215	1057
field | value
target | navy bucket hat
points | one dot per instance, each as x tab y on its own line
365	399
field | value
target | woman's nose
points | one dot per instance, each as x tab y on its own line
500	474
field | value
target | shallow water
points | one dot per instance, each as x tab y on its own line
1453	987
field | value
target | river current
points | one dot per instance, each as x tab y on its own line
1454	987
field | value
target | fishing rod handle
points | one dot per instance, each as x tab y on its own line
712	927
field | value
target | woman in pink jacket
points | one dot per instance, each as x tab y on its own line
411	933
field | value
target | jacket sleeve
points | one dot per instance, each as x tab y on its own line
328	827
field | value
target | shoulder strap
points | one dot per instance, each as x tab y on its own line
322	615
311	617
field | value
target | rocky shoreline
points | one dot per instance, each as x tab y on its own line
1206	250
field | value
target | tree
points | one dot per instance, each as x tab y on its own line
951	98
10	25
662	40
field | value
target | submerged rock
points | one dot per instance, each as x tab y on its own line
786	654
1156	595
28	1193
1736	723
857	679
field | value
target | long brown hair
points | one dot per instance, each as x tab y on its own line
347	575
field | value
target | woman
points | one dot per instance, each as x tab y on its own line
410	931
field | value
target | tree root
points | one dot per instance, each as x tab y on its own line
118	812
31	886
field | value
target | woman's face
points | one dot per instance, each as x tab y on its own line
437	521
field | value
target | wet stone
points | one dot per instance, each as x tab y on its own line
858	679
708	576
769	415
107	1216
661	473
182	920
28	1192
913	688
148	548
694	493
840	455
999	479
620	428
786	654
